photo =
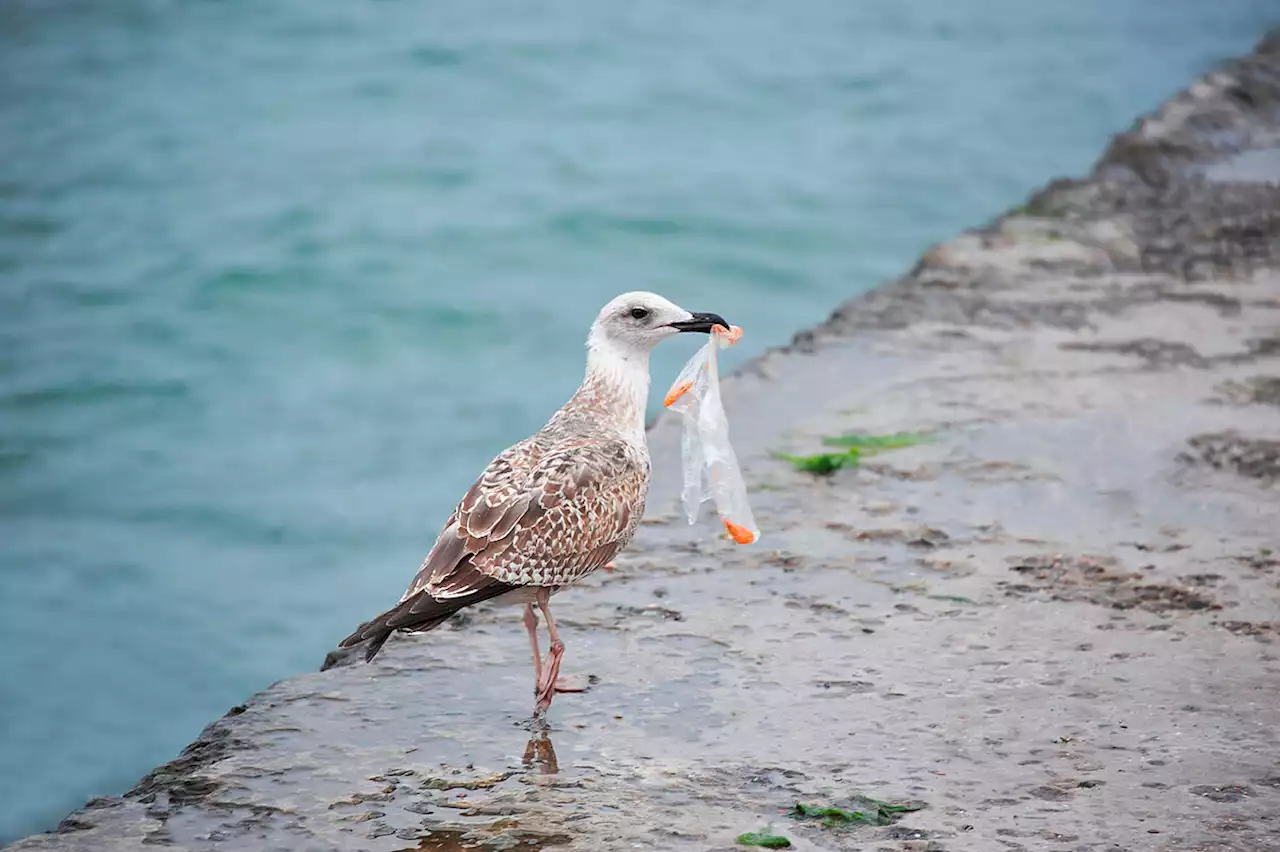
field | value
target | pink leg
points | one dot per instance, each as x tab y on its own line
531	624
550	682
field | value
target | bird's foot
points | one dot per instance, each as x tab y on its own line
573	683
609	566
546	688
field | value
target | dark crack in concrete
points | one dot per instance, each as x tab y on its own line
1256	458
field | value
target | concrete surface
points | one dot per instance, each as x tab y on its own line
1054	625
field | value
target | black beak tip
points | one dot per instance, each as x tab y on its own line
700	322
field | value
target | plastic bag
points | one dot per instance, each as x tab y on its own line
710	468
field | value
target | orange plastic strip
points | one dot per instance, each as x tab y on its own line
733	332
676	393
740	534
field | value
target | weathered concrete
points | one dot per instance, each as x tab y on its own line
1055	625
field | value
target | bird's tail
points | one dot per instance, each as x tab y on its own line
379	630
417	614
375	644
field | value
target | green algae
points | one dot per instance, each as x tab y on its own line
763	838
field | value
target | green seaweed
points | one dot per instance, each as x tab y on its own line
870	812
855	447
864	443
823	464
764	837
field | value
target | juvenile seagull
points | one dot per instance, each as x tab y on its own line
555	507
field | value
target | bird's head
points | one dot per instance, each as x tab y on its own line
636	322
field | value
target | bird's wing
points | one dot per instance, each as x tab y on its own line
534	518
541	518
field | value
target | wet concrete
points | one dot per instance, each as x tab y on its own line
1054	624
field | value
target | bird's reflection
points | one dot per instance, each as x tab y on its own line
540	754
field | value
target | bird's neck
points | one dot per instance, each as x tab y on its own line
616	387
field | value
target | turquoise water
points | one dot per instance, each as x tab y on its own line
276	280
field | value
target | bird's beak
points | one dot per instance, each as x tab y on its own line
700	322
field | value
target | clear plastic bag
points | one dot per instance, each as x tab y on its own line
710	467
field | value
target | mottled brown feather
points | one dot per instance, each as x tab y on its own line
546	512
537	516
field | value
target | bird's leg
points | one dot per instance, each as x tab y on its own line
568	683
551	668
531	624
550	682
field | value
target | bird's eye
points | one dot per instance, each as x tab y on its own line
639	313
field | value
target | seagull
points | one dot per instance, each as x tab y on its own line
556	506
